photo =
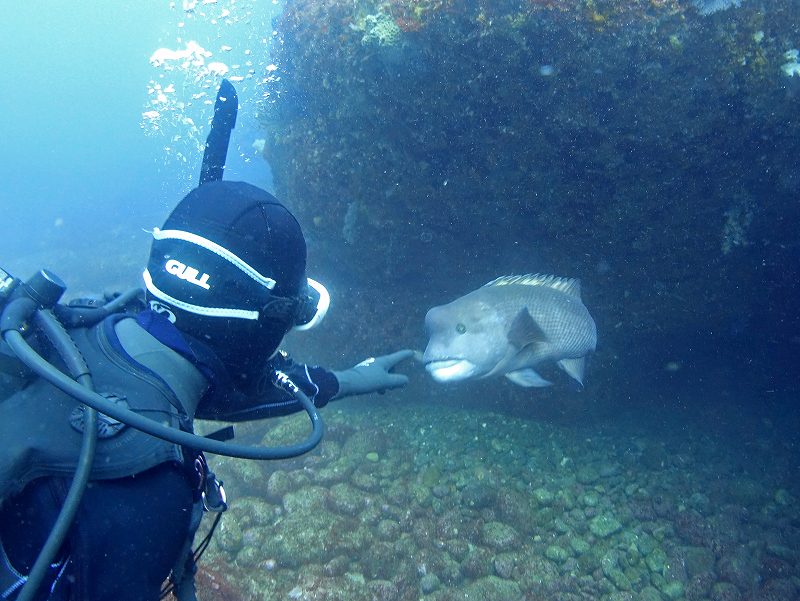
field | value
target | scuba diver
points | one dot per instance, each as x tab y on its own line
102	480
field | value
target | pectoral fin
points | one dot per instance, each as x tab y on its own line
524	331
528	378
574	367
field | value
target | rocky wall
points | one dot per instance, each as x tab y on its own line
643	146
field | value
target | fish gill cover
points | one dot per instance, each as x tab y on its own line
646	146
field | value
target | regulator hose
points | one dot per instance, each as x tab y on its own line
78	317
78	369
10	325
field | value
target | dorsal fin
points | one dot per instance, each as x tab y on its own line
569	286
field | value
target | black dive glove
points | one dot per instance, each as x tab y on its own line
372	375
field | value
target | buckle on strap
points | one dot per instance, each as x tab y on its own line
207	487
214	498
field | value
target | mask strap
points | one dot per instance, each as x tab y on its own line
323	304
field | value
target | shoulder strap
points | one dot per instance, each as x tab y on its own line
142	350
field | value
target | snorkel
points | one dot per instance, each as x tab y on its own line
226	107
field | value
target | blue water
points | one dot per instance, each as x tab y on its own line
76	161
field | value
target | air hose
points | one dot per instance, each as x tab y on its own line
78	369
36	363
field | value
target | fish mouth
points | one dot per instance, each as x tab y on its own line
449	370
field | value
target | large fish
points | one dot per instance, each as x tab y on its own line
508	327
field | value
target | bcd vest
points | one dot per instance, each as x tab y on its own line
41	427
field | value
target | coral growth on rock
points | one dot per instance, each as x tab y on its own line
638	144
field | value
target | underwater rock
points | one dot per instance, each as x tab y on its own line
778	589
588	474
429	583
382	559
543	496
692	527
278	484
784	498
656	560
782	552
492	587
700	502
698	560
673	589
699	586
384	590
774	568
307	537
611	570
478	563
336	566
738	567
579	545
590	499
499	536
650	593
557	554
746	491
361	443
516	508
388	530
229	537
504	564
440	491
725	591
345	499
709	7
366	481
380	30
604	525
478	495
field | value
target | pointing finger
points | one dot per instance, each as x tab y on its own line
396	381
389	361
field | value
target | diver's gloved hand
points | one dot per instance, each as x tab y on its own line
372	375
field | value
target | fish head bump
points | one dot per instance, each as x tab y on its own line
466	339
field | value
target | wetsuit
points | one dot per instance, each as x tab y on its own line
135	514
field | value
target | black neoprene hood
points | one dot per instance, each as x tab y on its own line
226	249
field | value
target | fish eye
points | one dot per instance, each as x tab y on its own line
461	328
